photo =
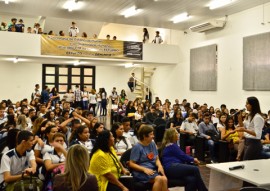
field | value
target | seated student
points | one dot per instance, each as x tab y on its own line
18	160
175	162
233	137
121	143
54	160
190	127
76	176
97	129
206	129
145	163
105	165
177	120
81	136
127	132
11	140
47	146
265	139
151	116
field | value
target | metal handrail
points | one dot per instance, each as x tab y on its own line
140	81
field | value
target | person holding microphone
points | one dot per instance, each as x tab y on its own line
252	128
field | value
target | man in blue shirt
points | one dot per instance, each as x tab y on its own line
205	128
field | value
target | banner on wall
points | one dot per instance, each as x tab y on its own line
94	48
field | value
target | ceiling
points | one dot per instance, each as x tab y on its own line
156	13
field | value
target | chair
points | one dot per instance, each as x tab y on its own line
253	189
200	148
223	151
134	186
183	141
159	132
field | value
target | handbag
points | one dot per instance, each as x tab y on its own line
25	184
215	136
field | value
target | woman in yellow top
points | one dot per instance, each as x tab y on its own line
230	135
105	165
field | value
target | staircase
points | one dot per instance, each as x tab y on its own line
143	82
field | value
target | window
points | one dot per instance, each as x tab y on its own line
68	76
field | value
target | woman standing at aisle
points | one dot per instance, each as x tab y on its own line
103	111
252	129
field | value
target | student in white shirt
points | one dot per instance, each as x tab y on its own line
18	160
81	136
73	30
252	130
190	127
121	143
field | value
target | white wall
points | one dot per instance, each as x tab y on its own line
173	81
18	80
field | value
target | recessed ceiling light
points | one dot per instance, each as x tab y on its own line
76	63
131	11
219	3
6	1
16	60
180	18
72	5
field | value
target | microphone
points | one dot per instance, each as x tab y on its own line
236	113
237	167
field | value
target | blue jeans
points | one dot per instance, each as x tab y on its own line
211	144
189	173
84	105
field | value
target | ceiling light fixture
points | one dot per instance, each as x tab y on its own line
180	18
76	63
6	1
16	60
72	5
219	3
131	11
129	65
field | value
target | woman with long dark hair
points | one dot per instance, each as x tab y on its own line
145	35
252	128
103	111
121	143
234	138
97	129
105	165
81	136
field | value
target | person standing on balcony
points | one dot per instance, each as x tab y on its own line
145	35
131	82
157	39
73	30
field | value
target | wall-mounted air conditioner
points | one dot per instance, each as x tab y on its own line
208	26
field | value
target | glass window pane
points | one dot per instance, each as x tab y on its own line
75	80
73	87
88	87
62	88
50	79
88	80
50	86
63	79
63	71
50	70
76	71
88	71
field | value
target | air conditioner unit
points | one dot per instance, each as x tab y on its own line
208	26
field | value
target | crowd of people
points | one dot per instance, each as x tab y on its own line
64	143
72	31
